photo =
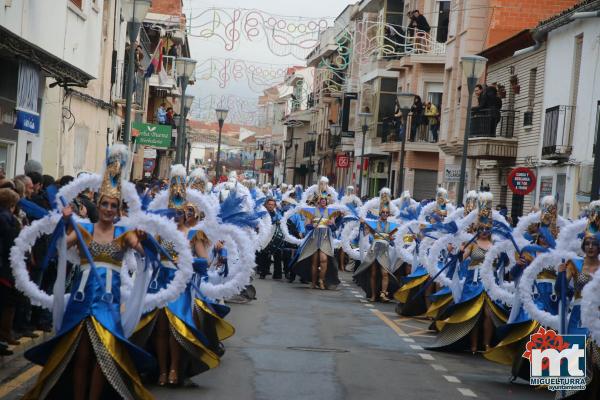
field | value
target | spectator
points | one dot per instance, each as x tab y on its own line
86	200
421	22
161	114
170	117
417	117
478	92
490	105
27	186
36	180
65	180
433	118
33	166
421	30
10	228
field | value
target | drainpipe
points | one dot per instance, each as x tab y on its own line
585	14
539	37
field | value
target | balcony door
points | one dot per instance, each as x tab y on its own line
443	20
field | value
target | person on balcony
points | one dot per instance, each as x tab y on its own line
489	109
161	114
417	117
433	119
421	31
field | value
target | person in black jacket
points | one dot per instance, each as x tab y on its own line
489	107
10	228
417	117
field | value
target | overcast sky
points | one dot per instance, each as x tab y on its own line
256	50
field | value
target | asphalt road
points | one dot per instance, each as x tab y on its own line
297	343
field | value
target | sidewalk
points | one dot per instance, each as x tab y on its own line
15	370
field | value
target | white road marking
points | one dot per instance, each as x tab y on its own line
416	347
369	305
467	392
358	295
451	379
409	340
363	301
426	356
439	367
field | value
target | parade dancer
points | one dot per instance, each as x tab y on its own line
315	260
273	249
376	269
350	200
411	299
172	332
538	231
292	226
577	256
474	311
90	357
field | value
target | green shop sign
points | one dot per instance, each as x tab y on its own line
158	136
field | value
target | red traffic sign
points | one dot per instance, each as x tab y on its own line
342	161
521	181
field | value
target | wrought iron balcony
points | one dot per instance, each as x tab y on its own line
492	135
558	132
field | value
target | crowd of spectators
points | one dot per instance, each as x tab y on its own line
24	199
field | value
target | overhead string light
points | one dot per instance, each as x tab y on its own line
285	35
259	76
242	110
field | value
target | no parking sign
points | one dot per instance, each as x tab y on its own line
521	181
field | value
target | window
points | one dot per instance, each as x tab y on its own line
78	3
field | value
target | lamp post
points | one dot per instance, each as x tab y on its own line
472	67
295	157
405	102
221	116
310	154
273	166
335	135
185	71
365	127
137	9
287	144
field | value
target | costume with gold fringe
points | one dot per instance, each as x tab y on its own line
199	352
94	308
319	225
459	319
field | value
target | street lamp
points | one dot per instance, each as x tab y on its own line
273	166
335	135
310	154
295	157
365	127
185	70
472	67
287	144
405	102
221	116
137	9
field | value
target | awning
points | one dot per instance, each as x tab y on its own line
59	69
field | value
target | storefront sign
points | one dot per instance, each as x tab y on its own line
27	121
452	174
149	165
342	161
521	181
157	136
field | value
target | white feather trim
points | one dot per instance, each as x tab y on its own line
92	182
349	233
160	226
311	191
284	228
568	238
178	170
550	261
590	307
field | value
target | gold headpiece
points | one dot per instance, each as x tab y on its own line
485	216
115	164
470	202
548	217
593	225
177	187
198	180
384	200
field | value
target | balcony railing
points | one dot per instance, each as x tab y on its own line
558	132
492	123
408	41
427	131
